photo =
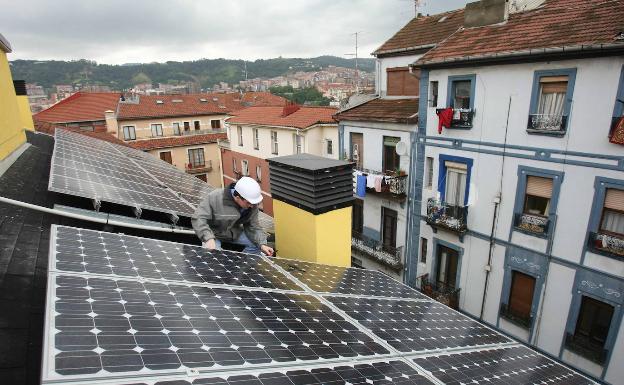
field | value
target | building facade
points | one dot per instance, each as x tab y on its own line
517	210
256	134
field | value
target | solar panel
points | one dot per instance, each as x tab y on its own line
130	310
416	326
509	365
87	251
346	280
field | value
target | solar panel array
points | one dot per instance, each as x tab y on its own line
130	310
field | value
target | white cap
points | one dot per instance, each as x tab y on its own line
249	189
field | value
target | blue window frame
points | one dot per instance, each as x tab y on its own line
596	240
460	96
443	172
618	108
551	101
530	223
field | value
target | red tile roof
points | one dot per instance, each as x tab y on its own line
556	24
423	32
49	128
175	141
304	117
80	107
383	110
152	106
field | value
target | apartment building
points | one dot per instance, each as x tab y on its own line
256	134
516	213
376	136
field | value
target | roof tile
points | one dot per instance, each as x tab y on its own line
304	117
80	107
175	141
383	110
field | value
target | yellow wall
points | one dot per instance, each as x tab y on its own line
25	113
11	130
323	238
179	158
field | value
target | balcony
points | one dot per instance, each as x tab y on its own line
439	291
223	143
583	346
533	224
384	254
450	217
609	244
198	168
462	118
547	124
511	316
393	186
201	132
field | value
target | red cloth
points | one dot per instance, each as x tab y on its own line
445	116
617	136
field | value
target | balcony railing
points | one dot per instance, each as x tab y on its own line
201	132
607	243
585	347
532	223
508	314
196	168
223	143
387	255
547	124
462	118
439	291
450	217
392	185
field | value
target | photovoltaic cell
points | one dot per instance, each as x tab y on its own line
123	326
343	280
87	251
416	326
512	365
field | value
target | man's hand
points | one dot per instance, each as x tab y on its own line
209	244
267	250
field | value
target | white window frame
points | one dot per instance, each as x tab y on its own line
176	130
274	143
245	167
156	125
128	136
239	134
256	132
259	173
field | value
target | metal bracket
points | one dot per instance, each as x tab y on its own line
96	204
137	211
174	218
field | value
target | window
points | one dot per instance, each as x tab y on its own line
357	149
239	131
330	147
551	101
538	194
157	130
593	323
259	173
166	156
245	167
176	129
429	175
460	94
446	272
391	159
197	125
357	216
196	158
520	298
460	98
455	192
298	144
356	262
433	93
612	221
234	165
187	126
256	133
129	133
401	82
274	147
215	124
388	229
423	250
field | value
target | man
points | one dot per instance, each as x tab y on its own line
231	214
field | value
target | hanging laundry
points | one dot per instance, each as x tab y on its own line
361	186
378	180
445	117
617	136
370	181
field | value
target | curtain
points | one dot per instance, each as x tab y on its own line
455	187
551	103
613	221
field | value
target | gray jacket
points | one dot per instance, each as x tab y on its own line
218	216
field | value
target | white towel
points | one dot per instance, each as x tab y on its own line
370	181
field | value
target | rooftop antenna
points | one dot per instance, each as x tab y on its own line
357	77
418	4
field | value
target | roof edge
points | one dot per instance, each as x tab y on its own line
401	50
5	45
124	118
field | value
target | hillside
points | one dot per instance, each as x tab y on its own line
206	71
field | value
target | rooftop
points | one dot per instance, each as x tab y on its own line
383	110
304	117
80	107
175	141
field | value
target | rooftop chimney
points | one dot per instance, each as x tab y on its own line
312	198
290	108
485	12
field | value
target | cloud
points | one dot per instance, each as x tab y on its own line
116	31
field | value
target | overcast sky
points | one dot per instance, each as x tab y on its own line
139	31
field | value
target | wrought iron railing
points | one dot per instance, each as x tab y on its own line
462	118
390	183
583	346
608	243
512	316
441	292
196	167
386	254
200	132
532	223
451	217
545	123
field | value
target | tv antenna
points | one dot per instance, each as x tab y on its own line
357	76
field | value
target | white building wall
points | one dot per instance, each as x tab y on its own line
391	62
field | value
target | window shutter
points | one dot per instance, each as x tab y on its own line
554	84
540	187
521	296
456	165
614	199
401	83
395	81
